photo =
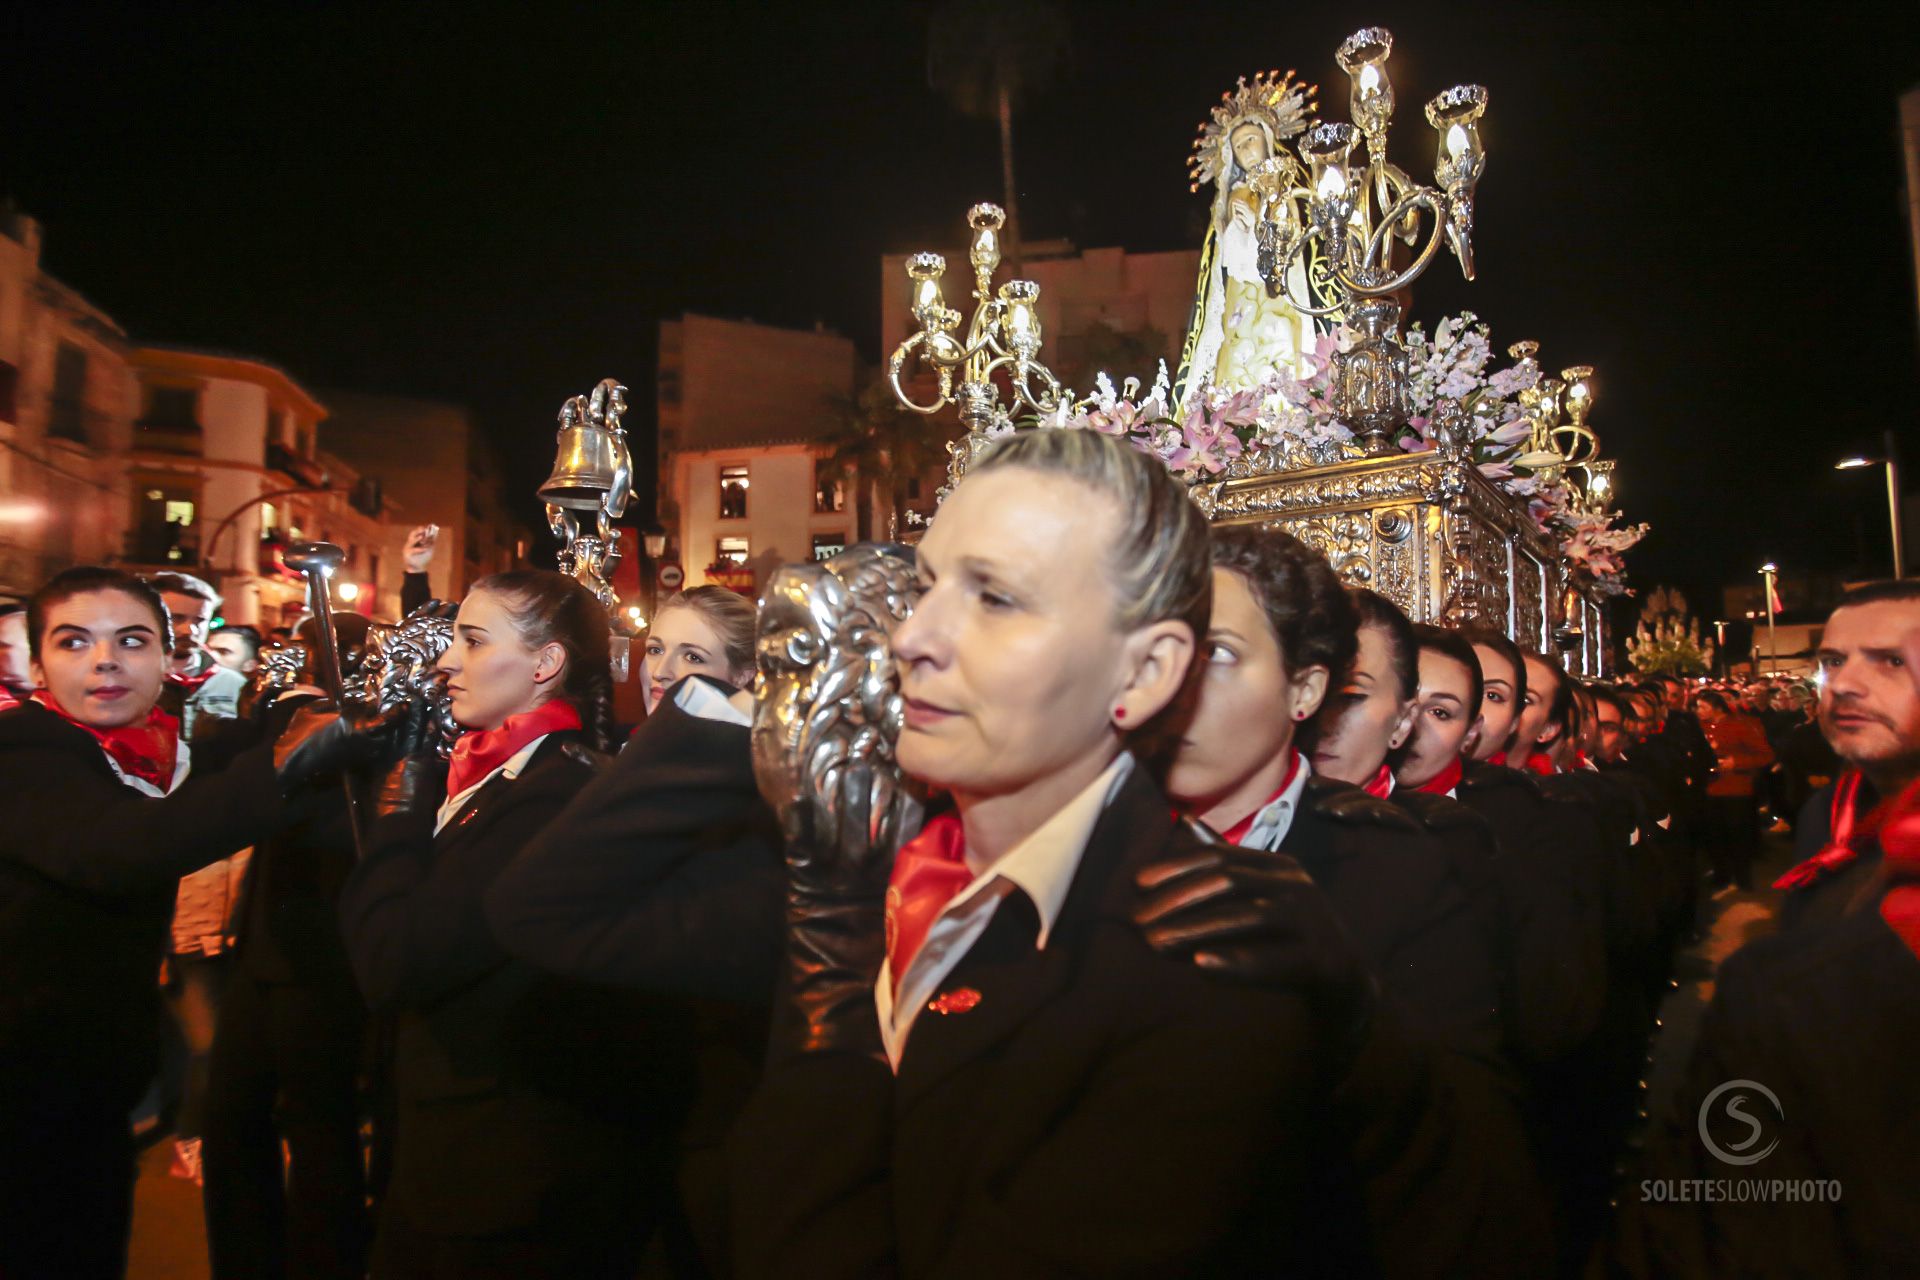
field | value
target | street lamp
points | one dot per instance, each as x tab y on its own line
1768	572
1893	497
1720	642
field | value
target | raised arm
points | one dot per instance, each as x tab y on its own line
664	873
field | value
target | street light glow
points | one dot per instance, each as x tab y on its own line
1768	568
1849	464
349	591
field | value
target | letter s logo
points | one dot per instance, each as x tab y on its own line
1740	1153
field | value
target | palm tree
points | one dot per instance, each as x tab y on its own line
986	56
878	443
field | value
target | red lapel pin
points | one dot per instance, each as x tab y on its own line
959	1000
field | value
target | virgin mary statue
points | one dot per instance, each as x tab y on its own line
1240	333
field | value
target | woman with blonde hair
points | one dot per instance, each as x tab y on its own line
978	1064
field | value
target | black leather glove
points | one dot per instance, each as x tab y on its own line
321	740
836	940
1256	917
415	783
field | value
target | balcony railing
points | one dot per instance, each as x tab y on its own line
168	436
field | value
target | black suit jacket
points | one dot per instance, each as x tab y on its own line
88	870
520	1096
1100	1110
1402	898
665	875
1828	1018
1828	898
1554	911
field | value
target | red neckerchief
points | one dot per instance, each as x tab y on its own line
1238	831
1581	761
928	871
1447	781
478	754
148	751
1539	764
1900	849
1498	757
1844	827
7	700
192	684
1380	785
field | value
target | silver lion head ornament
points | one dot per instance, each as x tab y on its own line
827	709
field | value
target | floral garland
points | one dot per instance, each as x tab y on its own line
1446	372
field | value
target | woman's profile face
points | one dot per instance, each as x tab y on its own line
491	673
682	643
1012	662
1499	709
1444	713
103	658
1244	717
1366	717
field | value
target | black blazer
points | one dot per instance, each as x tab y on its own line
1099	1110
520	1096
665	875
1435	1146
1398	893
1827	1016
88	870
1828	898
1555	912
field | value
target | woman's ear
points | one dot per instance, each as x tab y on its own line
1403	727
550	663
1306	690
1157	658
1471	743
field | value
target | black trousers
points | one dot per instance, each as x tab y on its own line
1732	834
66	1185
285	1066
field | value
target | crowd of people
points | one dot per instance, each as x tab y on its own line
1252	929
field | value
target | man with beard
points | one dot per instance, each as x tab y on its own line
1870	715
199	688
1810	1038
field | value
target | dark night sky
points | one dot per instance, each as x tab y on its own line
497	205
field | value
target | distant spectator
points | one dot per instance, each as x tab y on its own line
236	647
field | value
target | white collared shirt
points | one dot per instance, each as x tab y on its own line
1042	866
698	698
1271	824
516	764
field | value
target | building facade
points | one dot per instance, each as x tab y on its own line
226	471
744	410
434	468
68	398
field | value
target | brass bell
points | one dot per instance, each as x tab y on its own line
589	463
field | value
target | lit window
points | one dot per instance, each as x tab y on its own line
180	513
734	549
828	545
829	487
733	493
